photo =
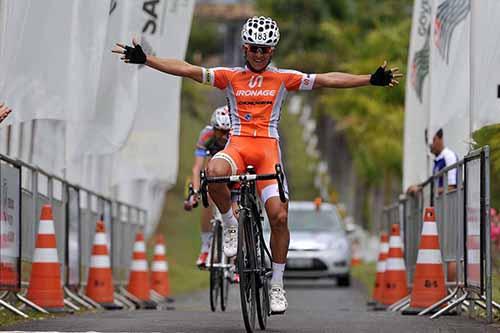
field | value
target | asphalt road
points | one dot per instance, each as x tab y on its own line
313	307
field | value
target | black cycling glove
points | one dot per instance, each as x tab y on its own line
381	77
135	55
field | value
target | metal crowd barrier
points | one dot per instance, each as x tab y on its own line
24	189
462	217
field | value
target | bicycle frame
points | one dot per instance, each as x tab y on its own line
247	191
254	274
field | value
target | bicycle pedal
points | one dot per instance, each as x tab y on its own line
274	313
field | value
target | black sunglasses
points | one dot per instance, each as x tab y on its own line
258	48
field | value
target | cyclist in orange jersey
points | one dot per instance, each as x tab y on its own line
255	94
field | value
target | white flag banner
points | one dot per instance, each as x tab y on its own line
48	145
485	71
96	173
450	77
152	149
106	128
415	166
151	155
50	56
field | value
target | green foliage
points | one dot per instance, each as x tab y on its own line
204	40
365	273
491	136
300	170
353	36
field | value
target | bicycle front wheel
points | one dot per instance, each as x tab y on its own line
246	268
262	283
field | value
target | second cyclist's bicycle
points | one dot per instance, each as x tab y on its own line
219	266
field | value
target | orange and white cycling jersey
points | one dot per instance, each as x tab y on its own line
255	99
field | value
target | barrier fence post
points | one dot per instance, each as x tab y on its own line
71	231
487	236
10	232
32	231
73	244
463	226
460	233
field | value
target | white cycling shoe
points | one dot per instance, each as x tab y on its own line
277	300
230	241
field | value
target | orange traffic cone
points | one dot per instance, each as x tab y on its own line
159	277
139	274
395	286
428	282
45	288
356	253
100	279
381	264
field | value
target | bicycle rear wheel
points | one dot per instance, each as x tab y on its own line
246	269
224	284
215	272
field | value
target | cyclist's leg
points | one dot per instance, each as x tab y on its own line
206	235
225	163
277	213
220	194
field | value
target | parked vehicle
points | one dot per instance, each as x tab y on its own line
319	247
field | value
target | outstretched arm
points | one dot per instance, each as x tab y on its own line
4	111
341	80
382	77
136	55
175	67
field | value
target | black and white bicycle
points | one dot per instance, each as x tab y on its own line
253	257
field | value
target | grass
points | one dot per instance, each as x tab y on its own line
365	273
8	318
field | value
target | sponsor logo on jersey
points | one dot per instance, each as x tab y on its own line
249	93
256	81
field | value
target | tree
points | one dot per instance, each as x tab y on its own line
351	36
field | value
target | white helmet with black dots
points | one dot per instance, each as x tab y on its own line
260	31
220	119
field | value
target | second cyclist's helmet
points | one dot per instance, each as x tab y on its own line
220	119
260	30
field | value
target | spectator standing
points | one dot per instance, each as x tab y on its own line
444	158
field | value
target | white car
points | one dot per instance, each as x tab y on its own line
319	247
